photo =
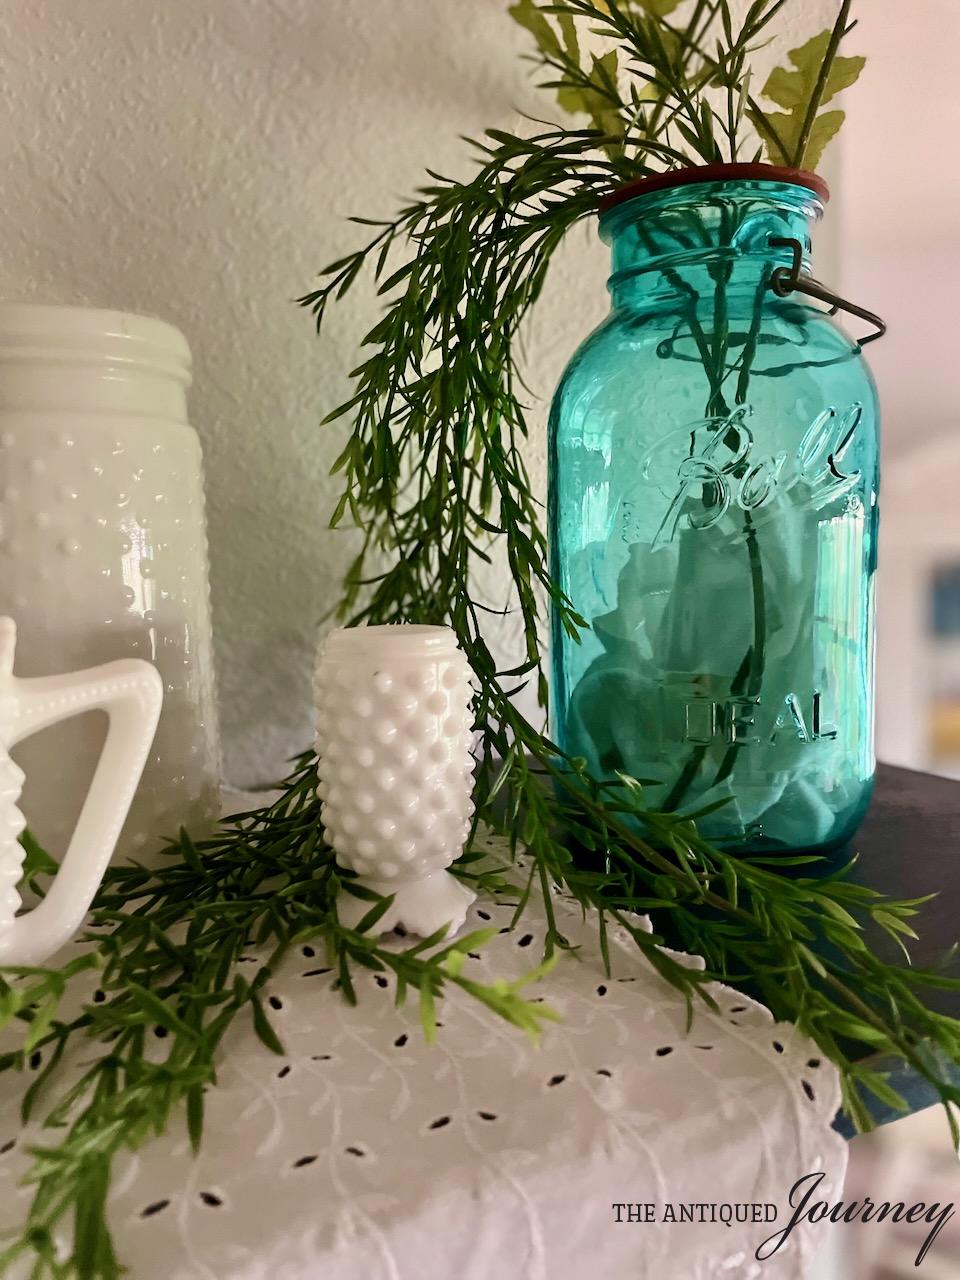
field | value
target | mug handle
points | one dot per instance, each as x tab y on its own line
131	692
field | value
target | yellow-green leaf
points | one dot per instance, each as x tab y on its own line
792	90
659	8
568	29
526	13
569	97
825	128
573	98
788	135
570	100
603	113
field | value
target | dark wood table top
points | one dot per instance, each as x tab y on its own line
908	845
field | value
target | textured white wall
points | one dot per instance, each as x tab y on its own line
195	159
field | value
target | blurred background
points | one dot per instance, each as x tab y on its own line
894	221
198	161
894	215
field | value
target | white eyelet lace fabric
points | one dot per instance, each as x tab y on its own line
366	1154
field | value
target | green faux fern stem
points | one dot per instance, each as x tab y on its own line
439	398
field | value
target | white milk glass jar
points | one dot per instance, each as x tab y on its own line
103	553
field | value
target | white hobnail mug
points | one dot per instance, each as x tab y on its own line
396	771
130	691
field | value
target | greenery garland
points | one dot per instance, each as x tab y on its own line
434	474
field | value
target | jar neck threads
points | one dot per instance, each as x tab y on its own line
686	239
83	360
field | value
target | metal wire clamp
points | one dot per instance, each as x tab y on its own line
785	280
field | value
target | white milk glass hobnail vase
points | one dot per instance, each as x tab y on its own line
103	553
393	740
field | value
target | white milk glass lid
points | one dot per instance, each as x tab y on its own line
31	332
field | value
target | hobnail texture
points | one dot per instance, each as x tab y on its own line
396	772
103	553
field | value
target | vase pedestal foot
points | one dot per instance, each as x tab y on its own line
421	906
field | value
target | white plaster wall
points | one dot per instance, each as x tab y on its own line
195	159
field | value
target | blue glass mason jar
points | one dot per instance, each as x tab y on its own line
713	482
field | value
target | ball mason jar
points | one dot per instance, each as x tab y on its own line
103	553
713	484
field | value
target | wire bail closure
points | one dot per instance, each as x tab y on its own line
786	280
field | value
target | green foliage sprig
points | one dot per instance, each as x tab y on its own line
166	946
799	134
433	475
690	91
